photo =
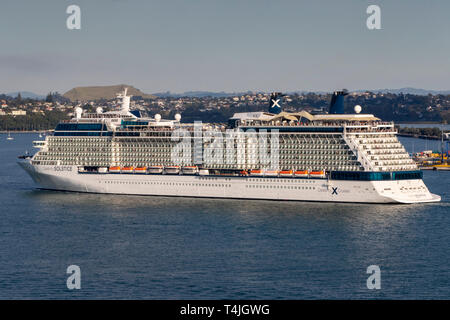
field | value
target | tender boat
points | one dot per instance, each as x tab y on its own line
155	169
270	173
172	170
190	170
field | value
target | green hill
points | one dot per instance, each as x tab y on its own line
102	92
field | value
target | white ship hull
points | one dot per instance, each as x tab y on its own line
67	178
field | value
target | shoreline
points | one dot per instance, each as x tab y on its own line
419	136
419	122
25	131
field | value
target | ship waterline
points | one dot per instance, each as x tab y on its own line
67	178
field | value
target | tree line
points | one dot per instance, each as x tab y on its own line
429	132
35	121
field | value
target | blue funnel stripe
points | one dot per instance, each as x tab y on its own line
337	102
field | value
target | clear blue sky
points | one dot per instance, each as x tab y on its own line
224	45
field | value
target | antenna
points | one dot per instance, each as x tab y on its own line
125	105
78	112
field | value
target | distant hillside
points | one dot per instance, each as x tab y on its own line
102	92
419	92
200	94
212	94
26	94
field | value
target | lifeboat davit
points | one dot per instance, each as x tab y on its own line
127	170
172	169
155	169
190	170
114	169
317	174
301	173
256	172
286	173
142	170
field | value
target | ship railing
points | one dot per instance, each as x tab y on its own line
189	128
84	120
347	123
371	130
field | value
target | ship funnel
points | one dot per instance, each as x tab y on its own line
275	102
337	102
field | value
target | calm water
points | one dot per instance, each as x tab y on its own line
413	145
169	248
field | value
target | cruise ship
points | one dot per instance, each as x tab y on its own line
271	155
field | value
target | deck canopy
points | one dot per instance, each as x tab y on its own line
299	116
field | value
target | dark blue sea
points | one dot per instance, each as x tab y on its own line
132	247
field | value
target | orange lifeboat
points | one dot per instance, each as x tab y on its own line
256	172
286	173
317	174
114	169
243	173
301	173
127	169
142	170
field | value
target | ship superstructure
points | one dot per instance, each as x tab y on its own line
257	155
